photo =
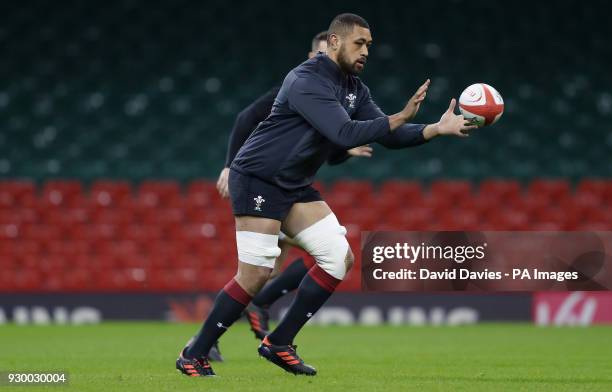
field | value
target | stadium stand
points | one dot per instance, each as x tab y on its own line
121	94
114	125
162	236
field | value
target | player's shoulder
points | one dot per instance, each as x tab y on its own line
311	68
307	76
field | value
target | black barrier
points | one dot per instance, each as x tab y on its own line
343	308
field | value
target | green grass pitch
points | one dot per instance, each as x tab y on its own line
495	357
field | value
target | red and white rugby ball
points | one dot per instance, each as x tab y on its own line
481	104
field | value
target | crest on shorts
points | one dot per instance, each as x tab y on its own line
258	201
351	99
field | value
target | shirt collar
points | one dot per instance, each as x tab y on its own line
331	68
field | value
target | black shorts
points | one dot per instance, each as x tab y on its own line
254	197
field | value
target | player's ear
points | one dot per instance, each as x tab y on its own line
333	42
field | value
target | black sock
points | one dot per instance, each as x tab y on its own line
229	304
287	281
316	287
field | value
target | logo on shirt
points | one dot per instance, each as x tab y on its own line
351	100
258	201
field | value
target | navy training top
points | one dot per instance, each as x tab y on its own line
317	110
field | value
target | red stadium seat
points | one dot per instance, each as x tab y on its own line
92	232
553	189
105	193
598	216
203	194
202	186
163	216
173	279
459	219
61	192
162	191
599	187
140	233
412	219
409	190
341	200
161	240
214	277
531	202
67	248
7	199
440	201
582	200
41	232
566	218
365	219
18	215
508	219
452	189
122	279
78	279
320	186
594	226
26	279
56	216
360	188
17	188
124	248
114	216
500	189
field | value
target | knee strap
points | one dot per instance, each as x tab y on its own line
257	248
326	242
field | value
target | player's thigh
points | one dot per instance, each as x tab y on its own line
256	224
304	215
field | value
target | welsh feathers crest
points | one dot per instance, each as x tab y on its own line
351	99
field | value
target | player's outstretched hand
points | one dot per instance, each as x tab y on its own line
361	151
454	124
412	107
222	183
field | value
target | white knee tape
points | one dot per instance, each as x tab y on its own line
282	236
326	242
257	248
285	238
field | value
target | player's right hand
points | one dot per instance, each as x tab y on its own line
222	183
412	107
454	124
361	151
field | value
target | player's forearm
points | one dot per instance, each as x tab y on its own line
408	135
397	120
337	156
355	133
430	131
245	123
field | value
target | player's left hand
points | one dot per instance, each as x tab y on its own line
361	151
222	183
454	124
413	105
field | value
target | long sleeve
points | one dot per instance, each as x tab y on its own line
317	103
408	135
337	156
246	121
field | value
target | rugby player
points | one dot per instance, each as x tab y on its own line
321	104
287	281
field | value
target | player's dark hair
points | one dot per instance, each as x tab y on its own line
322	36
343	24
